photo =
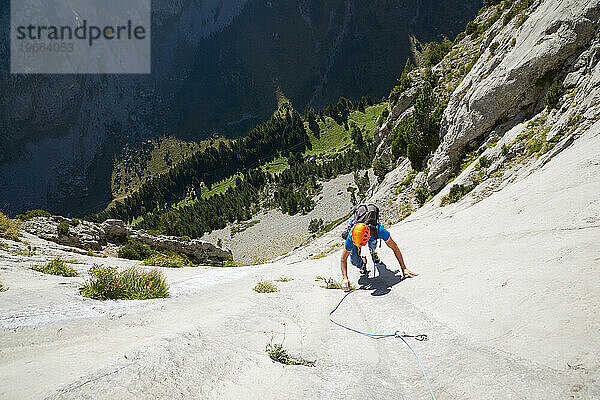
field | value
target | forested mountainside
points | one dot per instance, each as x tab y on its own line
217	66
184	201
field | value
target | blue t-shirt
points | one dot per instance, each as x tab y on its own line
382	233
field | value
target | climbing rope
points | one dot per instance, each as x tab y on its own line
397	334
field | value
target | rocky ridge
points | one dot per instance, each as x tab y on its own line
98	237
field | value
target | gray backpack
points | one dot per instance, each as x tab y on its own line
367	214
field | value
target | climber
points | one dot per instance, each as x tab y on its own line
362	229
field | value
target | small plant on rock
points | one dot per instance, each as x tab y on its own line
265	287
277	353
56	267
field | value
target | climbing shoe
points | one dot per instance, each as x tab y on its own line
363	268
376	259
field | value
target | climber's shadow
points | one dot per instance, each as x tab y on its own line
383	281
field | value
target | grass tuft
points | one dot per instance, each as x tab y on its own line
27	252
231	264
3	288
169	260
55	267
106	283
456	193
9	229
284	279
279	354
331	283
265	287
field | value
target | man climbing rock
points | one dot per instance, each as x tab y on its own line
362	229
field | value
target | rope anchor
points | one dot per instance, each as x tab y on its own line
421	338
397	334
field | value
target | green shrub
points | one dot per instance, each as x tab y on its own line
265	287
422	194
55	267
384	114
434	52
471	27
553	95
521	5
456	193
231	263
487	3
153	232
315	225
107	283
409	178
493	47
395	94
63	228
417	135
133	249
405	83
380	169
29	214
332	283
459	37
9	229
169	260
505	149
74	221
185	238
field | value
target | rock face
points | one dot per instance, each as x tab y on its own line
510	83
509	71
86	235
